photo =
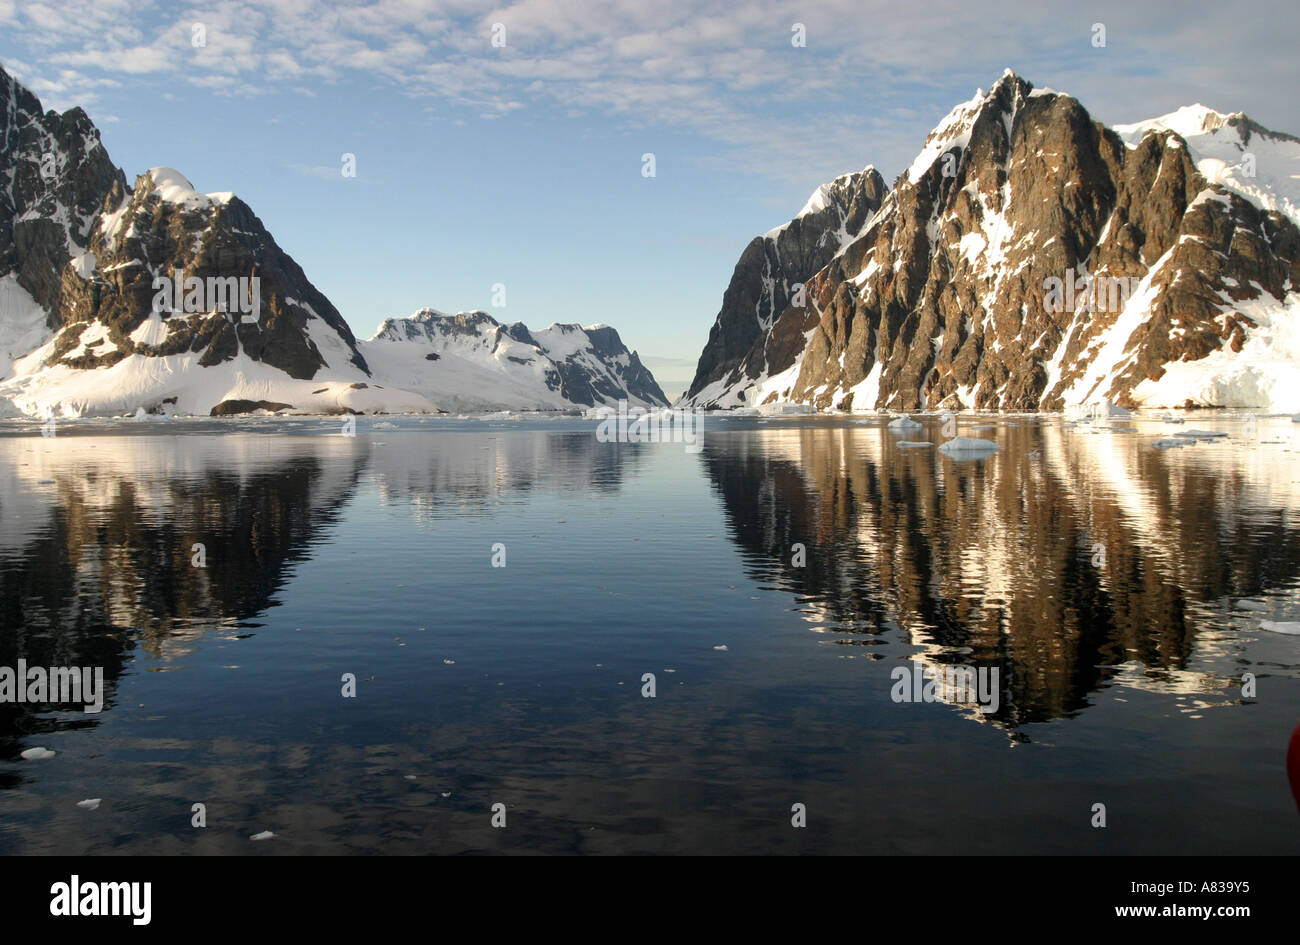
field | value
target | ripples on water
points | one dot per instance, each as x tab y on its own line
1117	589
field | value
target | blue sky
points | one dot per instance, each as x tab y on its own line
521	165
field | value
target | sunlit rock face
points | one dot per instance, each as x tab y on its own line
1031	257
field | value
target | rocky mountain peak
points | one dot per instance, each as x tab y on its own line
1177	242
54	179
773	270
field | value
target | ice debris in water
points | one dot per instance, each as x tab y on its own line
968	446
1289	627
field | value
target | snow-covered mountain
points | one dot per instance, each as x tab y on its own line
158	297
1032	258
470	361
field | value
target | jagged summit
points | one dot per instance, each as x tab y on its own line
1177	238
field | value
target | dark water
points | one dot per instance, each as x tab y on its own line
1119	682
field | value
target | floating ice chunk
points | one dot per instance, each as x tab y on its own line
722	647
1202	435
1168	444
37	754
904	423
1290	627
90	803
1251	605
913	444
264	835
965	446
384	425
982	426
1296	418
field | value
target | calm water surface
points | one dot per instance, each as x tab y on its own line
1120	674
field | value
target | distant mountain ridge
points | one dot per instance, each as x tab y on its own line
1177	239
484	363
117	298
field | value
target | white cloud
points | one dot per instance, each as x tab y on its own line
872	80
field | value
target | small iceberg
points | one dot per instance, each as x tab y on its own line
904	423
1290	627
1202	435
264	835
966	447
37	754
90	803
1168	444
913	444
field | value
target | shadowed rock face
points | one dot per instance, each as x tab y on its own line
64	198
943	300
154	236
771	266
55	177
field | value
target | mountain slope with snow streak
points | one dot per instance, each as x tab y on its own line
1032	258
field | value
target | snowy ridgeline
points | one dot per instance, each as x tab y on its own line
460	369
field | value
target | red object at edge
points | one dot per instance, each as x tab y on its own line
1293	765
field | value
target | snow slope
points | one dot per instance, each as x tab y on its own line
469	362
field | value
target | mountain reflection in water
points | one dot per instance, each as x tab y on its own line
1116	589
